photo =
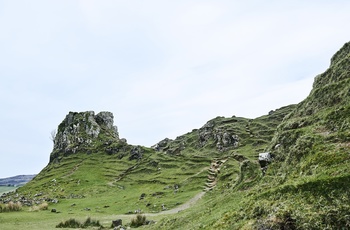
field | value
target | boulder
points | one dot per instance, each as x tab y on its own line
116	223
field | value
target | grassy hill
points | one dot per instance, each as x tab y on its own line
306	186
94	173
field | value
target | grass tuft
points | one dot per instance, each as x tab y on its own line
11	207
42	206
73	223
138	221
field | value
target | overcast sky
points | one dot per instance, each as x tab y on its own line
161	67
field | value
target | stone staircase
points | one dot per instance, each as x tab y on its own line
213	172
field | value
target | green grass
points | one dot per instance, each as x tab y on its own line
4	189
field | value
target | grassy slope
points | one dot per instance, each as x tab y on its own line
86	185
306	187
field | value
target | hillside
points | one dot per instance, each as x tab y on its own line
92	171
89	158
306	186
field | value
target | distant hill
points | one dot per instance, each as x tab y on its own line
16	181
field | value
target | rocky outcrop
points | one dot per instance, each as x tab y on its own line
160	146
85	131
215	133
136	153
223	138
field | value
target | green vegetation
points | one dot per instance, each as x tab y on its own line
11	207
138	221
4	189
304	187
42	206
72	223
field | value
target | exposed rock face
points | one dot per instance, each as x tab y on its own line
136	153
106	119
222	137
84	131
206	132
162	144
217	133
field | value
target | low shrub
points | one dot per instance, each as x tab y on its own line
43	206
73	223
11	207
138	221
91	223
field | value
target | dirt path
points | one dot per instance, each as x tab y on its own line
184	206
180	208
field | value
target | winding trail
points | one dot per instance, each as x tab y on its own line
184	206
215	166
180	208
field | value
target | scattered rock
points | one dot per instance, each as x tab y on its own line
38	194
150	222
143	195
138	211
157	193
117	223
163	207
